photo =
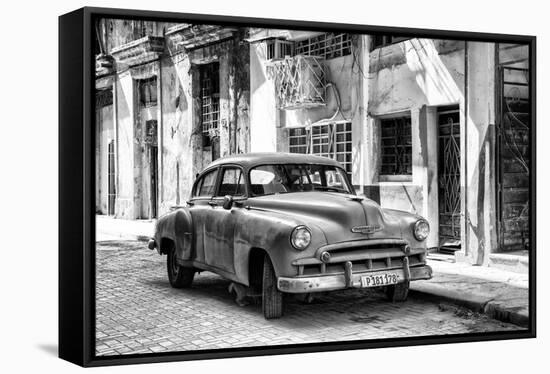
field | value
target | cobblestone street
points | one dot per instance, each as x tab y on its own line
138	311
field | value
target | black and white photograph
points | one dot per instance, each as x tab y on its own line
285	186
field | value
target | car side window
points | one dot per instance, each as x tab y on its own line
232	182
207	186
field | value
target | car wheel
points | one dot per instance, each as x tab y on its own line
398	292
272	298
179	276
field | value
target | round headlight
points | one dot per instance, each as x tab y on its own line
421	230
300	237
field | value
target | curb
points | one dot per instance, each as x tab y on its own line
477	303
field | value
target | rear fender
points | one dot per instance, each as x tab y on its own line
178	227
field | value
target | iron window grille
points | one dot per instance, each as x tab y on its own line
210	98
327	46
148	91
331	140
396	147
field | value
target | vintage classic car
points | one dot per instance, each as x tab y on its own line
290	223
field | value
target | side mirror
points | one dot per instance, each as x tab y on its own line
227	202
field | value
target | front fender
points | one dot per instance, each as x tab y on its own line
270	232
405	221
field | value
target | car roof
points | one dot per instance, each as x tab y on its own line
261	158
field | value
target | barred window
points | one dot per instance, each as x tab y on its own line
210	97
332	140
148	91
327	46
396	147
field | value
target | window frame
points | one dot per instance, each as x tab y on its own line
394	177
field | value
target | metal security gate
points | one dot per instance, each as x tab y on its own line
513	133
449	179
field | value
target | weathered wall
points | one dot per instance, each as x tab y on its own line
125	104
178	147
183	155
480	182
264	115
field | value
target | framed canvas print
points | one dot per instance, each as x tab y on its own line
236	186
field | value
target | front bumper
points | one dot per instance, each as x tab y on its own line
349	279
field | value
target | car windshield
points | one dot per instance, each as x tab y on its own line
279	178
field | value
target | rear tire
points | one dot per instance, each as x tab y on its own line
398	292
272	298
179	276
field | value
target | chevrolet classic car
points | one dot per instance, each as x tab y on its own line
287	223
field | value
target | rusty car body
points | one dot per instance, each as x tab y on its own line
290	223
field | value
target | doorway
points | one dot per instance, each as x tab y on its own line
448	121
151	131
513	148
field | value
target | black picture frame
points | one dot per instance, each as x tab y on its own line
76	188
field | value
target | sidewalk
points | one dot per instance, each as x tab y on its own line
501	294
109	228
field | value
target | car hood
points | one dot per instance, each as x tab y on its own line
341	217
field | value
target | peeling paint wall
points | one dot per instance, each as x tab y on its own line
125	102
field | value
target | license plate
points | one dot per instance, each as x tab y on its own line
377	280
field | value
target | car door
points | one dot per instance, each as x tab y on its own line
220	232
200	208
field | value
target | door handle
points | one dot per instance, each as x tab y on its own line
212	203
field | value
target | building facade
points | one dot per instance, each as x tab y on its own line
435	127
170	99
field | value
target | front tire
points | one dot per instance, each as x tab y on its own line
272	298
398	292
179	276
